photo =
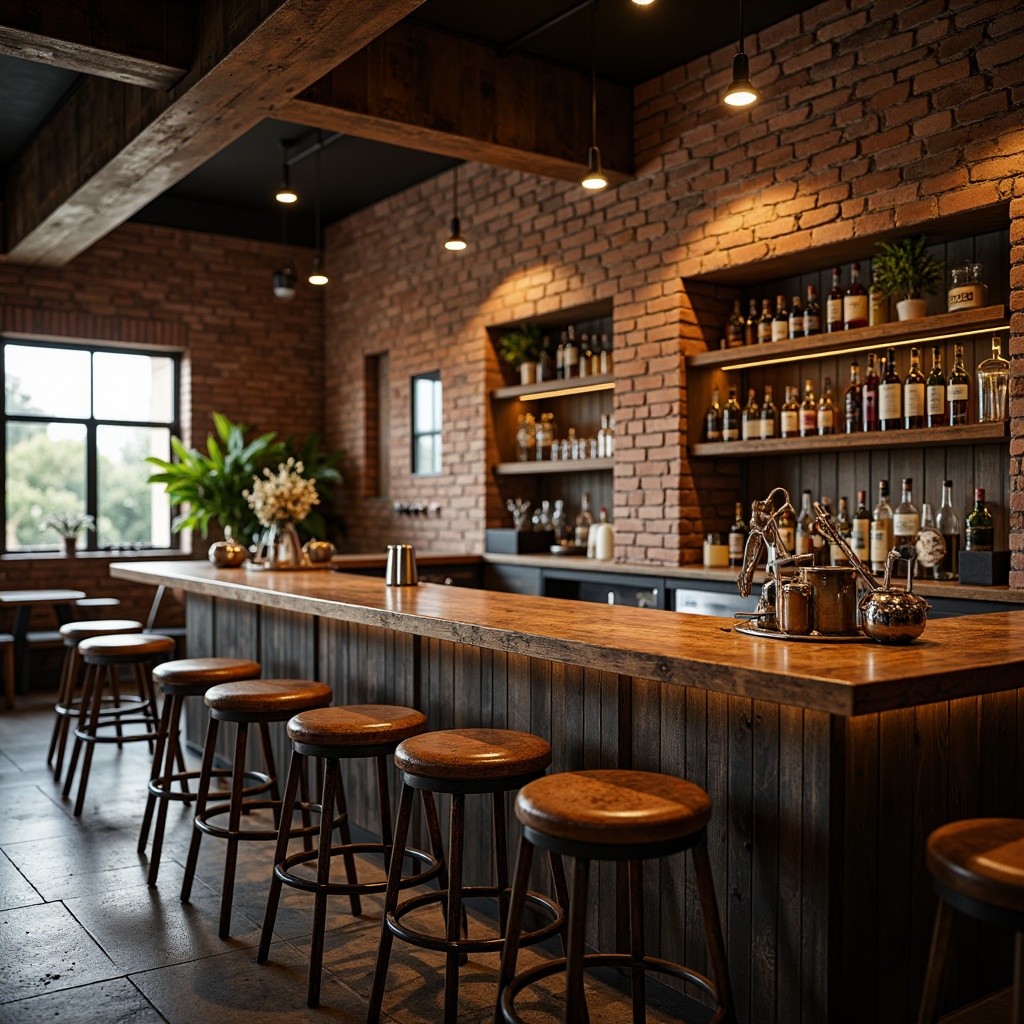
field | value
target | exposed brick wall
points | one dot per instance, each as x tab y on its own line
874	116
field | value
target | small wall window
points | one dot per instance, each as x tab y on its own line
426	424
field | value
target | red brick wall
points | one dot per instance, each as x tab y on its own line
873	116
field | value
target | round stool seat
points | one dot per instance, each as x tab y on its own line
613	807
268	696
75	632
98	602
473	754
982	859
198	674
125	647
356	725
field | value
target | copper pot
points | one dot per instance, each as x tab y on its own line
834	588
794	608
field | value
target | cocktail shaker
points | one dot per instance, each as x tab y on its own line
400	570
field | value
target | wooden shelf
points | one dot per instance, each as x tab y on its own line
557	466
553	388
906	332
972	433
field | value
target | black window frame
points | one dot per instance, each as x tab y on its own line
433	375
91	423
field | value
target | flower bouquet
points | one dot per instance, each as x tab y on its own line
280	501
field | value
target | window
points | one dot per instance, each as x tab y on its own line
426	424
79	422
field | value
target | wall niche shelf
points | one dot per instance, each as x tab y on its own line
555	466
970	433
555	388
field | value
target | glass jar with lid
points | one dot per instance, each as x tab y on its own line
993	383
968	291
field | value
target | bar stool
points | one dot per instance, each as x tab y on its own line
256	702
102	657
333	735
187	677
462	762
89	606
977	866
68	705
612	815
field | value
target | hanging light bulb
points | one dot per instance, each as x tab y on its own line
317	275
284	284
594	178
455	243
643	3
740	93
285	193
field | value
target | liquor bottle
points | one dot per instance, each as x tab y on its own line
764	322
545	436
979	531
927	526
906	520
947	523
805	527
596	348
845	530
878	303
796	318
881	529
736	328
852	401
768	415
869	397
713	419
609	437
789	417
581	535
821	549
731	417
834	305
737	537
808	412
855	302
860	539
602	435
751	427
935	391
780	325
750	328
606	360
787	531
586	355
914	395
890	393
826	411
571	359
560	356
545	364
958	390
812	313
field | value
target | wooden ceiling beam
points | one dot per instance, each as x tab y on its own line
110	38
432	91
113	148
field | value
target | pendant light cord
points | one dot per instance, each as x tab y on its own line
593	73
316	183
741	26
455	191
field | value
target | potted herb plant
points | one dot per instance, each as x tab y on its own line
907	270
69	525
520	348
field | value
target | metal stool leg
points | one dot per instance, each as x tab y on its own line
713	932
323	876
268	757
90	679
155	773
344	830
234	823
384	799
575	1001
201	797
63	700
90	746
453	920
172	741
510	954
936	960
638	977
500	859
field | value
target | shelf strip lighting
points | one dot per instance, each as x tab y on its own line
534	396
863	348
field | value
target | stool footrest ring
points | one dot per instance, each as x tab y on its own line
283	870
263	783
495	944
267	834
75	706
89	737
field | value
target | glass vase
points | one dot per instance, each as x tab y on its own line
280	547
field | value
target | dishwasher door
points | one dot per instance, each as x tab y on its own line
697	599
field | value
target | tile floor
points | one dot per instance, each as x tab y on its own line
84	939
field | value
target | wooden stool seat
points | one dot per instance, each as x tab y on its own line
124	648
281	698
613	806
473	755
355	725
198	675
76	632
91	603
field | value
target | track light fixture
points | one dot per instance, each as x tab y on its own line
594	178
740	93
285	193
456	243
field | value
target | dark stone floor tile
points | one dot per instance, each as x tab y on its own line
109	1002
28	813
15	889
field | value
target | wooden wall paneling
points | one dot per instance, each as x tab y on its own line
676	877
287	644
992	471
764	848
990	251
696	770
236	632
960	469
739	819
202	614
717	783
791	852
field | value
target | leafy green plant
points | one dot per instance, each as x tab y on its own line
520	345
905	268
68	524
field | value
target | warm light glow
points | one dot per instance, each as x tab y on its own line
643	3
595	176
456	243
534	396
317	275
285	195
740	93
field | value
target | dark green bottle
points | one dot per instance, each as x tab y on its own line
979	532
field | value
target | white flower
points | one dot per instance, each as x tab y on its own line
282	497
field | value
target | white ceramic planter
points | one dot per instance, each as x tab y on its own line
911	309
527	373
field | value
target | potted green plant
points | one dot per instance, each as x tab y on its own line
520	348
906	268
69	525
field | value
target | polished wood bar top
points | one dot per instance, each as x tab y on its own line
955	657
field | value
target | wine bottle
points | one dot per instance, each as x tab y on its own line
812	313
860	539
826	412
787	531
736	327
889	396
713	419
855	302
808	412
764	322
881	529
947	523
780	325
796	318
584	521
878	303
906	521
935	391
571	359
845	530
731	418
834	305
737	537
789	417
805	527
750	329
852	401
979	531
958	390
914	395
768	415
751	429
869	397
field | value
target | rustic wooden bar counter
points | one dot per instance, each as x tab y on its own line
828	763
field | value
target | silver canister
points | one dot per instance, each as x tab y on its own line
400	570
794	608
834	599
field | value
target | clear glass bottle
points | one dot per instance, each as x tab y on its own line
993	383
906	520
979	531
808	412
860	538
826	412
796	318
881	529
526	437
737	537
805	526
852	401
947	523
855	302
869	397
780	324
751	426
713	419
890	396
736	326
834	305
789	417
545	436
812	313
768	415
935	391
542	521
731	418
845	530
584	520
560	522
914	394
958	390
609	437
607	361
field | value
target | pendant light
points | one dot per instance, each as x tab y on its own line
285	193
456	243
317	275
740	93
284	277
594	178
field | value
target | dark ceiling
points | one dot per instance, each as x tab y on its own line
233	192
